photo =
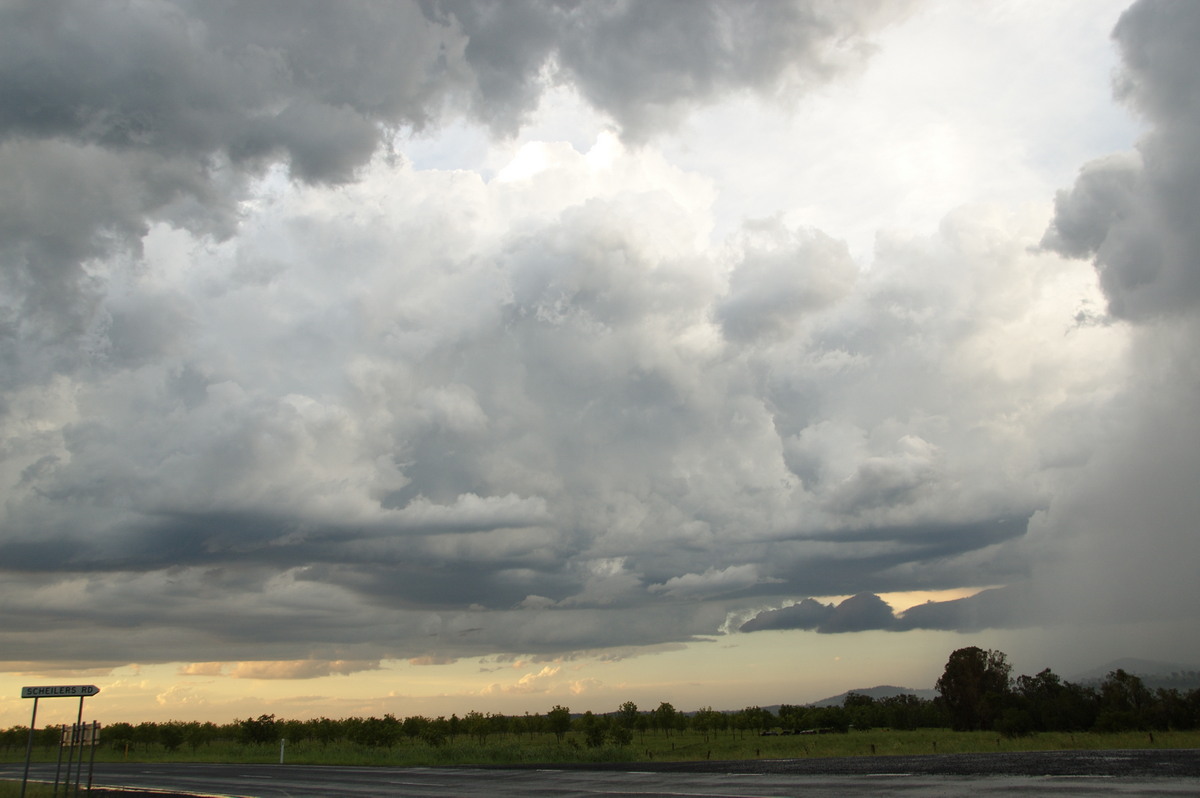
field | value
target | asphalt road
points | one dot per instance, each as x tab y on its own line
1065	773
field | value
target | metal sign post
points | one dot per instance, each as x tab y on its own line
77	731
80	691
94	737
29	747
62	731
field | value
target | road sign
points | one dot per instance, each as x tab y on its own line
60	691
81	734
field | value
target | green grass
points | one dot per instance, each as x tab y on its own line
693	746
12	789
653	746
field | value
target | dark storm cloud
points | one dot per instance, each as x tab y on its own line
314	81
781	278
860	613
884	559
1136	215
60	206
998	608
310	81
806	614
1113	546
546	431
940	539
646	64
113	115
361	409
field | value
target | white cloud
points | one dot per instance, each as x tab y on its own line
429	394
712	582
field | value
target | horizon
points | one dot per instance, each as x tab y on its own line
57	712
433	357
69	715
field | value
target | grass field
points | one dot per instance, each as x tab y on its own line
653	746
11	789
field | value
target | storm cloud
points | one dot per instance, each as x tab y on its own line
1135	213
988	609
1134	216
274	386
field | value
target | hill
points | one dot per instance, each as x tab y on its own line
877	692
1153	674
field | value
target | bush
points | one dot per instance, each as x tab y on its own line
1015	723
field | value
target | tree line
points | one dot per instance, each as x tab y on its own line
976	692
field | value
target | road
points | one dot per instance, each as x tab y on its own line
1073	773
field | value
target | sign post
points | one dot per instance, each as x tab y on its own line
80	691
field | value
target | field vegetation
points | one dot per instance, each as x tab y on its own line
980	708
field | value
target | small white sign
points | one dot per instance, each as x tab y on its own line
81	734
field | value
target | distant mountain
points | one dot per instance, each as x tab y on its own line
1153	674
881	691
1141	667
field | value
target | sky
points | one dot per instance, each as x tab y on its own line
424	358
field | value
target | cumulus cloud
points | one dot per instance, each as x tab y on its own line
202	669
297	669
496	445
1133	213
534	682
859	613
646	64
272	390
806	614
711	583
782	276
1123	521
996	608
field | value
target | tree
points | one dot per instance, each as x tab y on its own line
120	735
627	715
477	725
535	723
901	711
435	731
294	731
145	734
643	723
323	730
414	726
1124	701
707	719
594	729
862	710
664	717
762	719
620	735
974	687
171	735
499	723
558	720
258	731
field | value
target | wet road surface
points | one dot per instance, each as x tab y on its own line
1065	773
